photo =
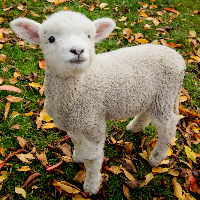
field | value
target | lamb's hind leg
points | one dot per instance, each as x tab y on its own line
166	129
77	141
138	123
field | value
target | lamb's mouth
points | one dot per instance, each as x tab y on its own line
77	61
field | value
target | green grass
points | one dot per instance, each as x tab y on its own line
26	61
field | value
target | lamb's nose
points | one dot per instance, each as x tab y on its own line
77	52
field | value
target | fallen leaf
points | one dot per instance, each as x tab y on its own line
66	149
10	88
34	14
172	10
126	191
103	5
192	33
128	164
58	2
122	19
156	22
28	114
13	99
156	169
115	169
147	26
127	174
24	169
67	159
35	85
22	141
148	177
191	184
7	108
41	91
164	42
80	176
25	157
173	45
15	127
142	41
42	158
48	125
173	172
51	168
3	175
42	64
1	79
3	58
113	140
67	187
14	114
190	154
182	99
92	8
21	191
178	192
143	13
2	151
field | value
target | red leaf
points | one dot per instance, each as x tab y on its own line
30	179
10	88
191	184
50	169
171	10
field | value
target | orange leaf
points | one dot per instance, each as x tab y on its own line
173	45
7	107
171	10
126	191
2	151
42	64
28	114
191	184
10	88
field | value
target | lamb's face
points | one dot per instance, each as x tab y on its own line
67	41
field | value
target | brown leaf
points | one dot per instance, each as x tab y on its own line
66	149
129	147
128	164
134	184
15	127
30	179
10	88
22	141
7	107
80	176
126	191
1	79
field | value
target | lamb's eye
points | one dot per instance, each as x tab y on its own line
52	39
88	36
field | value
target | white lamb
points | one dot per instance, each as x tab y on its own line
84	90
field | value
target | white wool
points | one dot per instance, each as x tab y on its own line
84	90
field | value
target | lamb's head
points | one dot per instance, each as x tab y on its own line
67	39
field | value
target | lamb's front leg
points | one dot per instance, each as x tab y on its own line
93	158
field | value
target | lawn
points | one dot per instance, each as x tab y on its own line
35	156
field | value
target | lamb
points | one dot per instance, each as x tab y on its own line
84	90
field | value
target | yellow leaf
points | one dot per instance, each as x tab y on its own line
13	99
177	188
28	114
67	187
92	8
25	157
144	155
156	22
7	107
57	2
3	58
164	42
16	74
67	159
182	99
80	176
173	172
155	42
197	58
196	130
35	85
103	5
2	151
4	175
42	158
188	42
164	162
24	169
143	14
190	154
113	140
14	114
127	31
115	169
156	169
48	125
21	191
149	177
34	14
128	175
142	41
122	19
1	79
192	33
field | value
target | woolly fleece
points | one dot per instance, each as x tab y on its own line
84	90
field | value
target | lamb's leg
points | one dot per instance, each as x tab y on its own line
77	141
138	123
93	159
166	132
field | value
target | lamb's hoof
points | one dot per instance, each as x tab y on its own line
92	187
153	162
132	129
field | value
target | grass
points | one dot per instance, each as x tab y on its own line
26	59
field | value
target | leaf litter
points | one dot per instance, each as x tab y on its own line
182	160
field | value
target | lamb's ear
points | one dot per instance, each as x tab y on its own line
104	26
26	29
